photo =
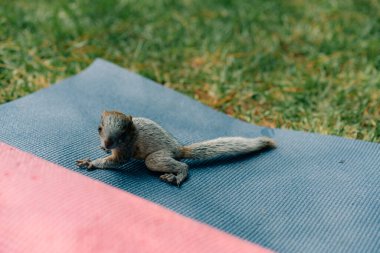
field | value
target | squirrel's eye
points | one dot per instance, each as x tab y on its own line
99	129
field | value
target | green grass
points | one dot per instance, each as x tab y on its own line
306	65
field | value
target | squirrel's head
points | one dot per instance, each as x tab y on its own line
115	129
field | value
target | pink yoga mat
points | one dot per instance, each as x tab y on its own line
46	208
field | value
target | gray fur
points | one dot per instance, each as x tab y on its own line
151	137
226	146
144	139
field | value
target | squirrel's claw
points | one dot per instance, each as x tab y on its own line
170	178
105	150
85	163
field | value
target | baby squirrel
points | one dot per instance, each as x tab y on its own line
141	138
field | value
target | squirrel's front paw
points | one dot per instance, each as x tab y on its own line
85	163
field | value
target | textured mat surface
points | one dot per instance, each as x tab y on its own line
45	208
313	194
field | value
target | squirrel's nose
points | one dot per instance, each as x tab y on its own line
107	144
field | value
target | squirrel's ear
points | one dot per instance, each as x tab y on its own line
128	121
103	115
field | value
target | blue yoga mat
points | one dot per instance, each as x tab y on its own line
313	193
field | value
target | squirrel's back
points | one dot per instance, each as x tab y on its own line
151	137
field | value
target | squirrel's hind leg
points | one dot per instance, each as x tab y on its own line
163	161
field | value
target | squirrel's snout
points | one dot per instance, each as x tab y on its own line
108	144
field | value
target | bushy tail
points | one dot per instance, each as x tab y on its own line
226	146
